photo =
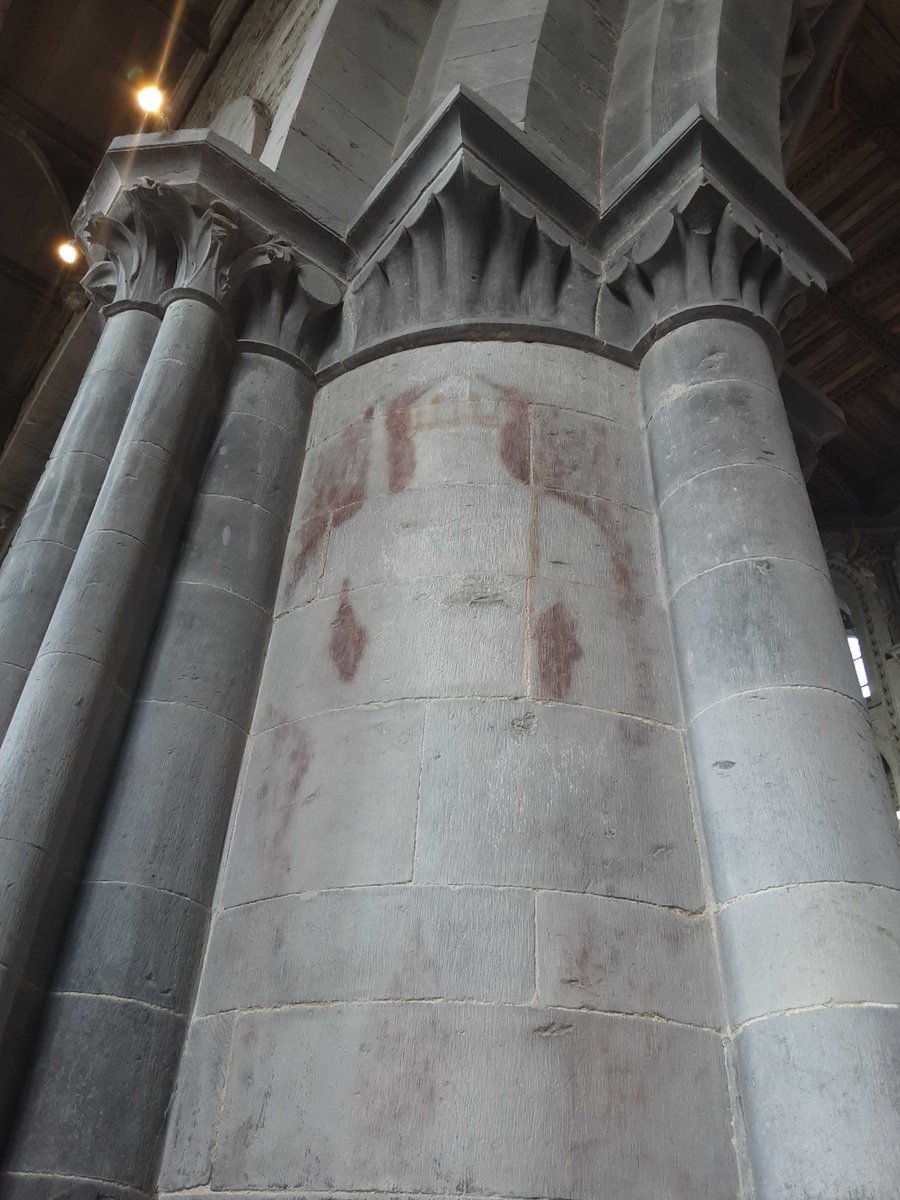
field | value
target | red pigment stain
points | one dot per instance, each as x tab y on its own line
515	432
558	650
338	488
348	637
401	447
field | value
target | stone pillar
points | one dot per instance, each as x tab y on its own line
801	841
102	622
126	287
104	1071
459	943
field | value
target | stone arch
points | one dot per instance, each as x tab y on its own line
338	122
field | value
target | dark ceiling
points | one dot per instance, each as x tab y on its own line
847	171
68	70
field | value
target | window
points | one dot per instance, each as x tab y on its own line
856	655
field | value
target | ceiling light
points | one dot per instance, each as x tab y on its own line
150	99
68	252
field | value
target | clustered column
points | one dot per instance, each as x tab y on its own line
799	830
104	1071
61	729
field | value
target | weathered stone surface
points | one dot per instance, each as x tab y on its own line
23	869
602	648
452	530
254	460
719	424
30	581
193	663
79	1119
194	1115
785	610
202	755
826	1119
395	642
556	376
327	802
386	943
813	944
593	541
618	956
235	546
427	1105
63	500
772	818
590	456
737	513
51	1185
548	796
130	941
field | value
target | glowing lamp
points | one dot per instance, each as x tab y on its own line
150	99
68	252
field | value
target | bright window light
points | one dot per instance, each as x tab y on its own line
856	655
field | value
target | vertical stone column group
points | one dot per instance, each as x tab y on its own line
121	989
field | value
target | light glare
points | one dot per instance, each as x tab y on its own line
150	99
68	252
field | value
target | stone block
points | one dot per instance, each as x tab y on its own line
446	1098
792	791
194	1114
12	680
717	351
739	513
182	762
718	425
530	795
453	530
328	124
63	500
25	871
133	942
474	40
385	943
618	956
590	456
81	1114
302	564
253	460
31	579
328	802
234	546
822	1124
207	652
603	648
597	542
444	637
812	944
265	387
53	1187
786	612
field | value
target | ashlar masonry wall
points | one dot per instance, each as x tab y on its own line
461	940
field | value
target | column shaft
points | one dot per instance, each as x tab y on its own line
801	839
35	569
98	632
102	1079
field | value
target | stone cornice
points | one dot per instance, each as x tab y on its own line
471	234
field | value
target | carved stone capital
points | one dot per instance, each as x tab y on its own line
138	265
205	240
277	300
472	252
704	256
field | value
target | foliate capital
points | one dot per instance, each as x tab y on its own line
707	255
138	265
277	299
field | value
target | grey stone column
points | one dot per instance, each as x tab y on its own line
458	944
103	620
105	1067
802	844
126	286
